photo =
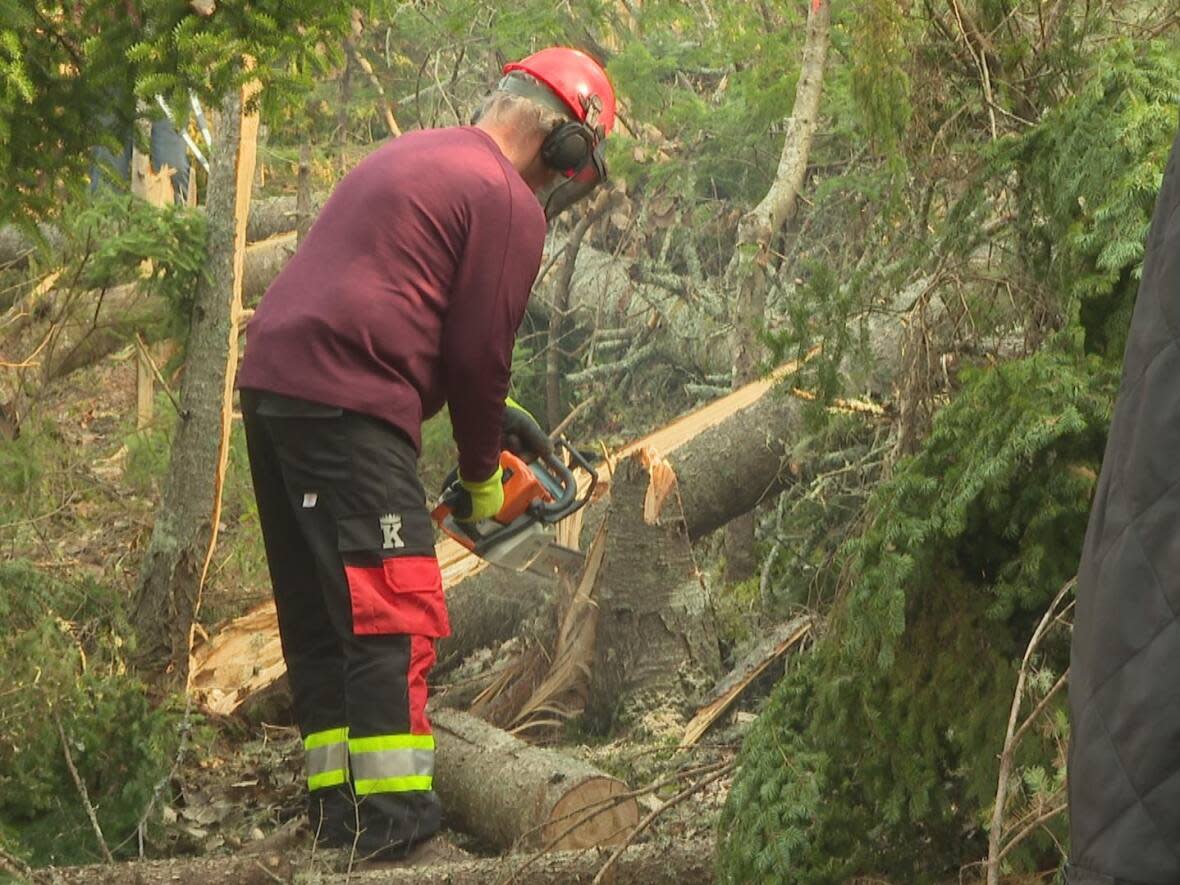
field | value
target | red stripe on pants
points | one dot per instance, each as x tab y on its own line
422	656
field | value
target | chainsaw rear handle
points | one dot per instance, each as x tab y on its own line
568	502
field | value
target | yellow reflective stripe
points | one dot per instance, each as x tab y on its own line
393	784
323	738
391	742
327	779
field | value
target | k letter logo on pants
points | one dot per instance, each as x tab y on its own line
391	531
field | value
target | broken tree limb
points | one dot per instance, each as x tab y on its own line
658	863
86	326
782	639
175	565
656	636
509	793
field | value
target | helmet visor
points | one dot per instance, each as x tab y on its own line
569	189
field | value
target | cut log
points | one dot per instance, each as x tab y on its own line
509	793
674	863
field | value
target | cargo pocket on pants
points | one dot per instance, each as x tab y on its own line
399	593
402	595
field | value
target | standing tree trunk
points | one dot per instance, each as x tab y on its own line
185	532
748	268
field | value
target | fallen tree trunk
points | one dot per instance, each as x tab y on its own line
510	793
82	327
665	863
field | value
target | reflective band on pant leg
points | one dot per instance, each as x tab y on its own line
392	763
327	758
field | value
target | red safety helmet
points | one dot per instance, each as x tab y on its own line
575	148
576	79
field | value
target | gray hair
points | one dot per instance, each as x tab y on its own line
519	112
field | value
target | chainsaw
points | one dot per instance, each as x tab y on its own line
536	497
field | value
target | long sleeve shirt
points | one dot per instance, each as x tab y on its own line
408	291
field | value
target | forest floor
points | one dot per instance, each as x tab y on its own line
237	783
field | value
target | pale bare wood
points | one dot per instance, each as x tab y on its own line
144	390
247	149
661	484
156	189
565	685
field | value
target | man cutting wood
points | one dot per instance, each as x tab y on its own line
406	293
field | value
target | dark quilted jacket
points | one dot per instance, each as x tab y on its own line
1124	692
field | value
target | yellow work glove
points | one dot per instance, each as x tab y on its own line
479	500
522	434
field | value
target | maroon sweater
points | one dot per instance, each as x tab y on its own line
408	291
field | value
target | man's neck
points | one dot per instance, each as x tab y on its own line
522	153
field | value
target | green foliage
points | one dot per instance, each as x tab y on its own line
70	73
113	236
879	755
880	81
62	664
1089	176
903	704
717	87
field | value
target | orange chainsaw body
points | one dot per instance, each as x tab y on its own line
520	535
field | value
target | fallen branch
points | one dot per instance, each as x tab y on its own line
995	835
14	866
652	815
86	804
731	687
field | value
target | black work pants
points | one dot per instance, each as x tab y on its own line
350	548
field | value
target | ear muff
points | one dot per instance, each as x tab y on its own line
568	147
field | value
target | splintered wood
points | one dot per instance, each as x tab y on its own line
738	680
564	687
660	485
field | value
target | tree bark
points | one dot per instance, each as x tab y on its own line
510	793
751	258
656	863
174	568
656	637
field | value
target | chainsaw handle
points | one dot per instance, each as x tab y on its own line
568	502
